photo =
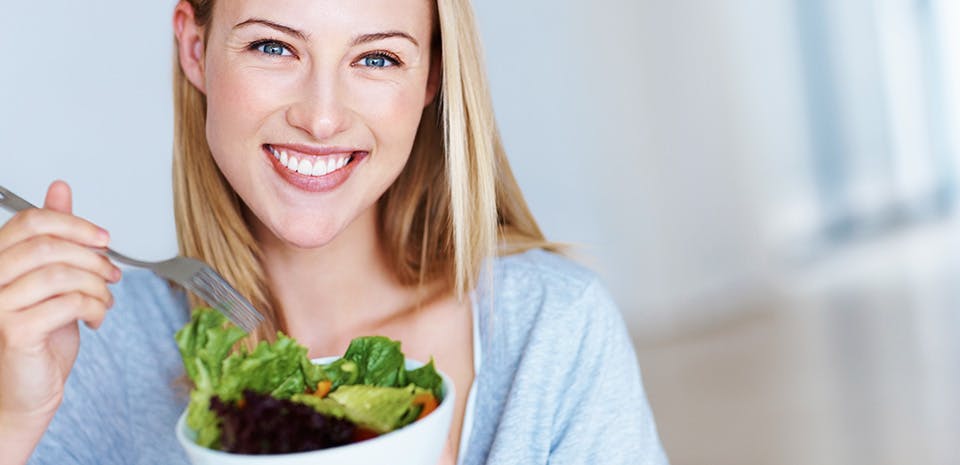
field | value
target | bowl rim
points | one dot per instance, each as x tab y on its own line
449	399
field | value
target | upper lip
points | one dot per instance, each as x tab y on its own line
314	150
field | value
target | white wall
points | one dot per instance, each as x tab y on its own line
85	96
654	133
642	130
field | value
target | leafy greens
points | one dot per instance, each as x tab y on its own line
370	384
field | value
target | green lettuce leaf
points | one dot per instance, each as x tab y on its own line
426	377
326	405
203	420
273	368
381	409
379	359
204	343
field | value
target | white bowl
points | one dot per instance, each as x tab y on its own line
419	443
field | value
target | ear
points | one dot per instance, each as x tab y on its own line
433	79
189	44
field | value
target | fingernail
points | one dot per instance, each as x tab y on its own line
103	237
116	274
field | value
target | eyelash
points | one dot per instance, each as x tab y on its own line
383	54
254	46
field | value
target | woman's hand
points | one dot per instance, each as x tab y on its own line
49	279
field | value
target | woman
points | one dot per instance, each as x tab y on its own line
339	163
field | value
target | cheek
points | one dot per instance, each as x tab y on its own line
238	101
393	113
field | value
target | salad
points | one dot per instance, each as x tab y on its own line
273	399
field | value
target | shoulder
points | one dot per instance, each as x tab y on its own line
543	270
544	307
552	335
547	291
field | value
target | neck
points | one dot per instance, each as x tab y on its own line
335	291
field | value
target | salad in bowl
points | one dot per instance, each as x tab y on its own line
274	403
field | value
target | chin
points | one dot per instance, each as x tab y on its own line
306	234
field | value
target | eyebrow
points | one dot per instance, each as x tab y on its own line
271	24
361	39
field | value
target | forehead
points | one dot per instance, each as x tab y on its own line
327	17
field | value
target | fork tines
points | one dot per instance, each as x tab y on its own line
212	288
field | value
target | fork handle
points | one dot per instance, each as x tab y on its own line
15	203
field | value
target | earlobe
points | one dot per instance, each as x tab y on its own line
189	44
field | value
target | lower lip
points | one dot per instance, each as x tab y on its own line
325	183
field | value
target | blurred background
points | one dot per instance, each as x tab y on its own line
769	187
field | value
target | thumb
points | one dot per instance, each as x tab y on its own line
59	198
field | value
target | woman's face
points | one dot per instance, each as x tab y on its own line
312	106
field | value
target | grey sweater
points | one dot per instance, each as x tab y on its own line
558	384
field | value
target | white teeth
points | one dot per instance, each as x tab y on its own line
319	168
305	167
316	167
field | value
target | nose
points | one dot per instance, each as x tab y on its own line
320	109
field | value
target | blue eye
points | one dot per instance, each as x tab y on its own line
377	61
272	48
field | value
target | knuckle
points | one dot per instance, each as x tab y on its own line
74	300
30	220
44	246
57	273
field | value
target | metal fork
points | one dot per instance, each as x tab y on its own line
193	275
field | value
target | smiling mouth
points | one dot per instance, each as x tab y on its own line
311	165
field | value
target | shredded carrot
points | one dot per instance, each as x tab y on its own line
241	403
323	388
428	402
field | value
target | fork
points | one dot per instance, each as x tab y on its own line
194	275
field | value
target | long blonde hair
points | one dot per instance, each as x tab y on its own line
455	205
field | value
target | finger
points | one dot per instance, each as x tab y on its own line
39	251
32	326
44	283
59	197
36	222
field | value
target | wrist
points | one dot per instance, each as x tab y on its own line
20	435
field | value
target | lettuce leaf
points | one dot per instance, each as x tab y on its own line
426	377
273	368
204	343
379	359
381	409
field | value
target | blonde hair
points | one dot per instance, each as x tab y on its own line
455	205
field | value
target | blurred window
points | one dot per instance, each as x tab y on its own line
880	82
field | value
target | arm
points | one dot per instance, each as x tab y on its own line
604	416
